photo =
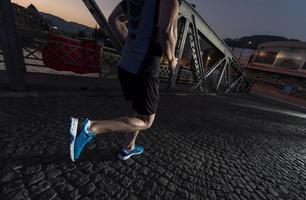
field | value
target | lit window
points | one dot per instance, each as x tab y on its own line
289	60
266	57
289	63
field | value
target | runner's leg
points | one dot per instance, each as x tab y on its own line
131	137
122	124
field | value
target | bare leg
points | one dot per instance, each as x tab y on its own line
123	124
131	137
130	140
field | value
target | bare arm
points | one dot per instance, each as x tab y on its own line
168	15
117	21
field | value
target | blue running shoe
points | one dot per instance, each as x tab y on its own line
126	153
79	137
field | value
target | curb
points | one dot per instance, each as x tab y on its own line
93	94
279	100
53	94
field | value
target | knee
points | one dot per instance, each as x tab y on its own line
148	122
146	125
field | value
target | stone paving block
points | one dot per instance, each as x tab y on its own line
58	181
49	194
66	188
81	180
32	169
75	194
169	174
88	188
10	176
212	194
273	192
182	192
144	171
163	181
156	197
146	193
168	195
97	194
34	178
160	170
112	189
68	167
260	194
105	182
39	187
255	197
211	148
122	194
116	176
49	167
160	190
20	193
12	186
95	177
126	181
131	197
54	173
234	196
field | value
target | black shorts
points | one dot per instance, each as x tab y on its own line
142	89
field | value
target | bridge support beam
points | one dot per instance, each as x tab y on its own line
192	27
12	51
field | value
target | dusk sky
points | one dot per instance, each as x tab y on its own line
229	18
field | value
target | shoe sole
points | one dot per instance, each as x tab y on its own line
73	132
127	157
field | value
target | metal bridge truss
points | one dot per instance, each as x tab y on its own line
222	75
226	75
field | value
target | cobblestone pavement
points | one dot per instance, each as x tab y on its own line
201	147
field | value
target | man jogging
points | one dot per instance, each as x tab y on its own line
151	32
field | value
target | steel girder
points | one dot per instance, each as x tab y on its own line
232	76
103	23
11	47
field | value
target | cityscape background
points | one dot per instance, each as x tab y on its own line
277	69
233	19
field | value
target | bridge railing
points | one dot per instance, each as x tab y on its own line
56	54
50	54
2	63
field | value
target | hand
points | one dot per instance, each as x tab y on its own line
173	64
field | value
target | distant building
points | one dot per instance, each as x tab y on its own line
282	57
280	63
30	19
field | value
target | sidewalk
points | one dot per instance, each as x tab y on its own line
276	94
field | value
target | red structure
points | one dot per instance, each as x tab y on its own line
66	54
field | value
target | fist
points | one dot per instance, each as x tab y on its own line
173	64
